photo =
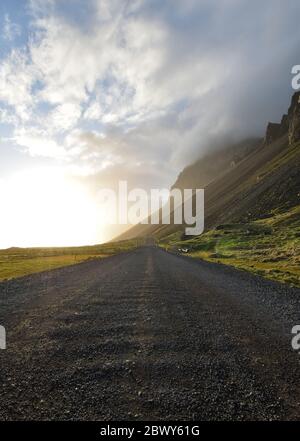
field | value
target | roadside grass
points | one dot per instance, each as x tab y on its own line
269	247
18	262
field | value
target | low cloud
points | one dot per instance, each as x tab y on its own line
144	88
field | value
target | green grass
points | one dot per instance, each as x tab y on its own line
17	262
269	247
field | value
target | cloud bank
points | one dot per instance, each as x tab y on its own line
139	89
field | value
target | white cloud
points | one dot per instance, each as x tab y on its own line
114	62
10	30
38	144
93	111
17	76
64	116
146	82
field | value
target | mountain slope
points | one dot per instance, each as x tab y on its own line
209	167
253	212
199	175
264	180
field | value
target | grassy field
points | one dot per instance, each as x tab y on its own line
269	247
17	262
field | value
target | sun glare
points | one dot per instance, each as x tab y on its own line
46	208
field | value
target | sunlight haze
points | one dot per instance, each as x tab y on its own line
110	90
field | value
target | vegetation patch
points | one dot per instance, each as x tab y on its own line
18	262
269	247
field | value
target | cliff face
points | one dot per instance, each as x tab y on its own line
273	132
290	124
294	119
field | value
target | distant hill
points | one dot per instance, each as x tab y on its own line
245	181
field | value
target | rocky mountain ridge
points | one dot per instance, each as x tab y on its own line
289	124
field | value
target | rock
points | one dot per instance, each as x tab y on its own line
289	124
272	133
294	119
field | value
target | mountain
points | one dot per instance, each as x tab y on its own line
290	124
209	167
245	181
203	172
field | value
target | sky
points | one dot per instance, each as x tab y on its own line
97	91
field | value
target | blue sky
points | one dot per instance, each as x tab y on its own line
113	89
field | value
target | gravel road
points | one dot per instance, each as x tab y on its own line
148	335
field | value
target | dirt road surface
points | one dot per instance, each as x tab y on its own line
148	335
